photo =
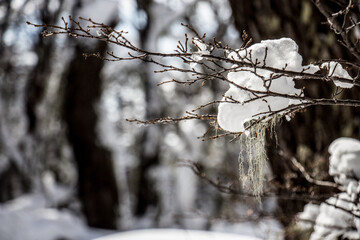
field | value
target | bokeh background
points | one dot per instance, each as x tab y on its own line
68	159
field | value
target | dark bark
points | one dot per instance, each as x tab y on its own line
98	190
146	194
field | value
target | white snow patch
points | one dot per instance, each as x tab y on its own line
336	70
27	217
202	49
335	218
281	53
344	160
308	216
174	234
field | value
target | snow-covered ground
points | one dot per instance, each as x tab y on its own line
174	234
30	217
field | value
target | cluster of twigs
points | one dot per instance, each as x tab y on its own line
342	23
214	65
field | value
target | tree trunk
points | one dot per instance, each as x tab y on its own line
97	182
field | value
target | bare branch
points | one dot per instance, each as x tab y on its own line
307	176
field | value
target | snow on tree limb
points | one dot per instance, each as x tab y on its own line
261	80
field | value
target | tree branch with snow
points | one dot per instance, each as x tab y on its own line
262	81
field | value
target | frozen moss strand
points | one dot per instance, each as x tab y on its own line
252	150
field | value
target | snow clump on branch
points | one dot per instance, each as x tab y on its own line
197	56
336	70
262	89
344	160
250	85
339	216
